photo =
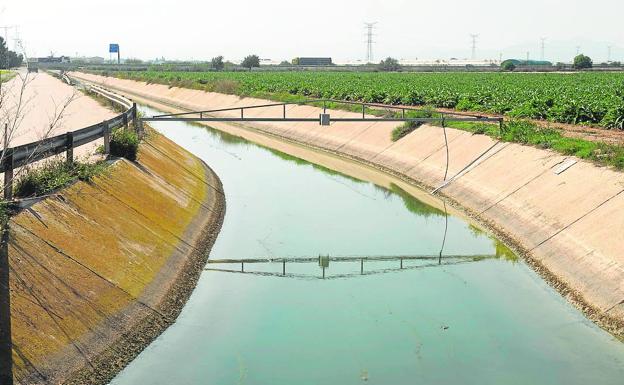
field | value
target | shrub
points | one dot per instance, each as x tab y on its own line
124	144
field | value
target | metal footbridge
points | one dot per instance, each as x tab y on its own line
370	112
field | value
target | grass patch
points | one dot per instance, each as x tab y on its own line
53	175
404	130
529	133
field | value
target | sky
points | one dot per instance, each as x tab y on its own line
284	29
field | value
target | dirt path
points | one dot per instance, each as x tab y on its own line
43	99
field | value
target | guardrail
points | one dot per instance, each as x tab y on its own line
19	156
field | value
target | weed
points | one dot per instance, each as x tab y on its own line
124	144
53	175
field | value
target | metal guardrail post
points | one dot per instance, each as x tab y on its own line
8	175
107	135
501	125
69	153
124	119
135	121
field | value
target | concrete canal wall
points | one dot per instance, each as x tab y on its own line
99	269
568	221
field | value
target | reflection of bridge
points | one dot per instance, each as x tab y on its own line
324	261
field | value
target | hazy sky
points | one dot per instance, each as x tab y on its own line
283	29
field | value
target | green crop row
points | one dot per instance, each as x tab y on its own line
579	98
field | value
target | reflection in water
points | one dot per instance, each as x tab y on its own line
357	270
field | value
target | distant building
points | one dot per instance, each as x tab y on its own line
52	59
313	61
533	63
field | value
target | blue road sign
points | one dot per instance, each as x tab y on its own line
113	48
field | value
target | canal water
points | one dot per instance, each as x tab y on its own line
481	317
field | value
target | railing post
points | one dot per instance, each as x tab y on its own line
363	111
69	153
284	110
134	117
242	113
501	126
124	117
8	175
106	137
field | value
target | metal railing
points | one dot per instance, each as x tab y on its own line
22	155
397	114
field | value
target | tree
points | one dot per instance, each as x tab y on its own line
217	63
581	62
15	60
508	65
251	61
9	59
390	64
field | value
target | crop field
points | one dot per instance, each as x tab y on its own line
580	98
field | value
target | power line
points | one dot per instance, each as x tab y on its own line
369	41
542	48
474	37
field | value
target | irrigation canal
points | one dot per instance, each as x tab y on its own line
475	316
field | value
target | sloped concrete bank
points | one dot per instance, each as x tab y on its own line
102	268
566	219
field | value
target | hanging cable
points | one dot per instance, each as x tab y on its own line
445	230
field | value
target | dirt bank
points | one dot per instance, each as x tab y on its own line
43	98
567	221
102	268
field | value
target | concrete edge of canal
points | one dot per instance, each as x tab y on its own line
559	212
100	269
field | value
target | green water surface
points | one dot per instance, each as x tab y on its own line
487	320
